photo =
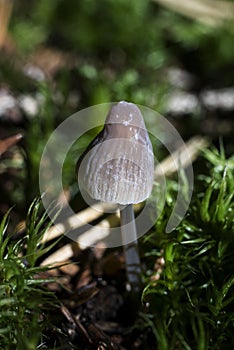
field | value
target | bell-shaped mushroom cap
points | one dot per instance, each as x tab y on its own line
118	165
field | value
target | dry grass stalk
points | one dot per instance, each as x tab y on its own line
5	15
166	168
78	220
87	239
181	157
94	235
210	12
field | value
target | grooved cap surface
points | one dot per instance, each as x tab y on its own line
118	165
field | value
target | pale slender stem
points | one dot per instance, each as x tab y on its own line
132	260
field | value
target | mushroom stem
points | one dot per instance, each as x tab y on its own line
131	254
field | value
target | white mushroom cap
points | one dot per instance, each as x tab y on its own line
118	166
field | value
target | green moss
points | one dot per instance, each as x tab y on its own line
191	306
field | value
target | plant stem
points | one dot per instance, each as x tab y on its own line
132	260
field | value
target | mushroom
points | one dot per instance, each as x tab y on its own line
118	167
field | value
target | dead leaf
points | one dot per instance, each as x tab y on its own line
9	142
